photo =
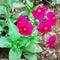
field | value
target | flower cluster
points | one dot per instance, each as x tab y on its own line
23	38
25	28
45	26
47	20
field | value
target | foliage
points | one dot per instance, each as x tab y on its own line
18	44
55	2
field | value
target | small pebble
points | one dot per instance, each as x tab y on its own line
44	52
54	55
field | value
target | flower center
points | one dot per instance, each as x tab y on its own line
25	29
54	18
39	10
20	21
46	28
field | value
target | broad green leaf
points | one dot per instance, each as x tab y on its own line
23	42
13	3
25	12
15	54
30	56
9	2
33	48
35	40
18	5
5	42
13	31
3	9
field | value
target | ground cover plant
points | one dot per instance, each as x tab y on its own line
21	29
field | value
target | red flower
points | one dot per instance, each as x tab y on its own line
39	13
44	27
21	19
52	18
51	41
25	28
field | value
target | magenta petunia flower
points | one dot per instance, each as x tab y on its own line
52	18
51	41
21	19
39	13
25	28
44	27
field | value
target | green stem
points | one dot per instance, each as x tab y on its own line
27	5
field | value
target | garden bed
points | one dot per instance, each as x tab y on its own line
45	55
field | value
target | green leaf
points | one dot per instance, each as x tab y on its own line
13	3
23	42
5	42
13	31
18	5
36	22
3	9
30	56
35	40
34	37
9	2
33	48
25	12
55	2
2	23
15	54
1	29
29	3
